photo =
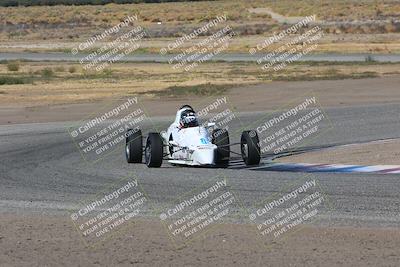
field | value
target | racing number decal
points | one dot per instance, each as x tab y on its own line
203	141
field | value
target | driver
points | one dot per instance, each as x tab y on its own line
188	119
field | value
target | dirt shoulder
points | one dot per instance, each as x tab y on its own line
267	96
374	153
49	83
50	241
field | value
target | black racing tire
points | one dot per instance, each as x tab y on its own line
134	146
153	153
220	138
250	148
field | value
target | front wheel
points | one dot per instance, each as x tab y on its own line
154	150
134	146
220	138
250	148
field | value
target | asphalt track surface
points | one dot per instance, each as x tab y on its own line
41	171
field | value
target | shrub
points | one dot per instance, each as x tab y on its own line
11	80
47	73
72	69
13	66
107	72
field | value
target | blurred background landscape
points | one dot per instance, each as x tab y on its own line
365	28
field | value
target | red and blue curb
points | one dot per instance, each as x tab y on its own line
338	168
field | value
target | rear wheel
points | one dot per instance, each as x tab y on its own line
134	146
250	148
220	138
154	150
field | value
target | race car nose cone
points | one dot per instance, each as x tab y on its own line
204	156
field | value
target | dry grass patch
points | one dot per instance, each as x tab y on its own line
160	79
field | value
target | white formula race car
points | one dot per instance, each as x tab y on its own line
187	142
